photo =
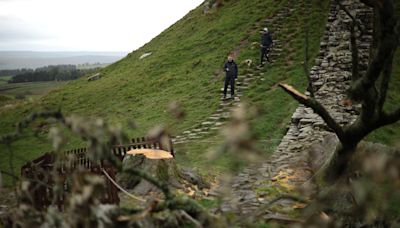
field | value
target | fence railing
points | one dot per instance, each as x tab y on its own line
41	172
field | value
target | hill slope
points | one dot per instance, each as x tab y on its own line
185	66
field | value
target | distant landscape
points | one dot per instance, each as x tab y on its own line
27	74
31	59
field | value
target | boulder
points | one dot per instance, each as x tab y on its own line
94	77
193	177
145	55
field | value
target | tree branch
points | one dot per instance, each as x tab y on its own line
372	3
10	174
387	45
317	107
389	118
355	22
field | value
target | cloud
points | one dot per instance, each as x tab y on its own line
15	29
97	25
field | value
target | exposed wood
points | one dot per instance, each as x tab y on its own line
294	92
152	153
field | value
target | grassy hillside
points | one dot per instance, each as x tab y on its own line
185	66
30	89
182	67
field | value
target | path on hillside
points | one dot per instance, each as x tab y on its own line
288	168
217	119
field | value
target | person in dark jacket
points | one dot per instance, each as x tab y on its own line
266	43
231	70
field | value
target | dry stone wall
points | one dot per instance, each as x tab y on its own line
331	77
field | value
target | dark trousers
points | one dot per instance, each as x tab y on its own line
264	53
229	80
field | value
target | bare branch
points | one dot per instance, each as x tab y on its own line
355	22
372	3
9	174
317	107
294	93
388	42
389	118
190	218
121	188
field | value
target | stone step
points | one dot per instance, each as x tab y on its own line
214	118
207	123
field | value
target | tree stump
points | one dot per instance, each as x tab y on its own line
161	166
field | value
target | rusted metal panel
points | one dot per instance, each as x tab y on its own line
41	171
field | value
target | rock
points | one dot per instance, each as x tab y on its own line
145	55
95	77
207	123
194	178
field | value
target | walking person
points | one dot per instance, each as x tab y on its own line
231	70
266	43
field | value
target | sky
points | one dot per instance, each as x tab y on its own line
86	25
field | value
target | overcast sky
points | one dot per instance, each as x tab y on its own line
86	25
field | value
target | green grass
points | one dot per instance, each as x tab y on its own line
181	68
30	89
4	79
141	90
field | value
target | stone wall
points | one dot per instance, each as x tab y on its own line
331	77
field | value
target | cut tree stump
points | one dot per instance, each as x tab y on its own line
161	165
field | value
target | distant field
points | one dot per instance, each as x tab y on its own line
4	79
29	59
28	89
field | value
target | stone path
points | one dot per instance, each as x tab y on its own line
288	168
222	114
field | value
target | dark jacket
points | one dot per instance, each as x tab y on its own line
231	69
266	39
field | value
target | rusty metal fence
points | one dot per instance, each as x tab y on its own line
43	173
